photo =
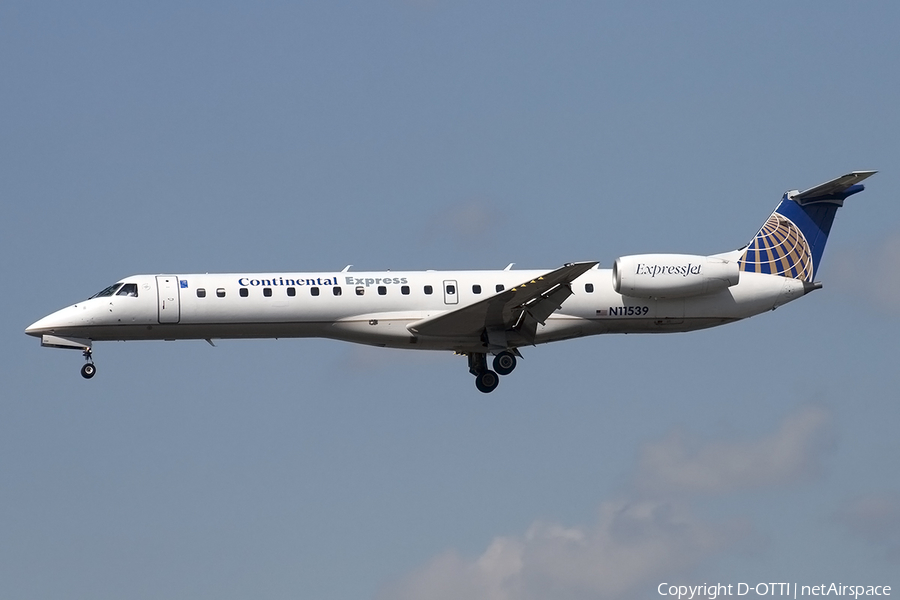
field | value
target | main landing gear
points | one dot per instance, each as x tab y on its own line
486	380
505	362
88	370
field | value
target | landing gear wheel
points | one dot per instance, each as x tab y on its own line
88	370
505	362
487	381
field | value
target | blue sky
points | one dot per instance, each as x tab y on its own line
204	137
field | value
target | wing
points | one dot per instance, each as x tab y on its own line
529	302
835	190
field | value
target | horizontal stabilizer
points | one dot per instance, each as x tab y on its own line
836	190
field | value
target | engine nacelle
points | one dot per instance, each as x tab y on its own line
673	275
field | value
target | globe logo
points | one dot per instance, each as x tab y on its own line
780	248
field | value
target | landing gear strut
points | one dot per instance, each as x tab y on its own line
88	370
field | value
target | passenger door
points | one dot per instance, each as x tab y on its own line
168	295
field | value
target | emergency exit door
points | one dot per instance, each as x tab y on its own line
450	292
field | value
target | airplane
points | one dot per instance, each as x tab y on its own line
473	313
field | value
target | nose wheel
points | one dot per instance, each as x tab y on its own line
88	370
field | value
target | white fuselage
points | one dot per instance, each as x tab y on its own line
381	308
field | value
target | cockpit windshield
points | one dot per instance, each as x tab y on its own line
128	289
107	292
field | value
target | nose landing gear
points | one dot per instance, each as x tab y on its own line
88	370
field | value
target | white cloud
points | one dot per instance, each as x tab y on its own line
632	545
886	289
474	223
470	221
875	518
883	258
793	452
638	540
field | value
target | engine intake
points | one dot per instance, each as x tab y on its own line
673	275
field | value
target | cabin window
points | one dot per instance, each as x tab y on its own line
244	292
360	290
429	290
313	291
267	292
404	289
129	289
451	289
291	292
589	288
382	290
201	293
220	292
336	291
500	287
476	289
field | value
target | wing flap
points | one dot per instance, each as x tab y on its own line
540	297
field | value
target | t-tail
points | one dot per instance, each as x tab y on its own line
792	240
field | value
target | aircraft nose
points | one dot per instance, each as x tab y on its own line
49	323
38	327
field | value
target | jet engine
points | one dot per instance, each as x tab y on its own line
673	275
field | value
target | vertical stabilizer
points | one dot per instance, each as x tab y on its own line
792	240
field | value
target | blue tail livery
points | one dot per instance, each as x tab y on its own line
792	240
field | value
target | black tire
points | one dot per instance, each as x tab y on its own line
505	363
88	370
487	382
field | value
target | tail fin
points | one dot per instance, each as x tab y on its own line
792	240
